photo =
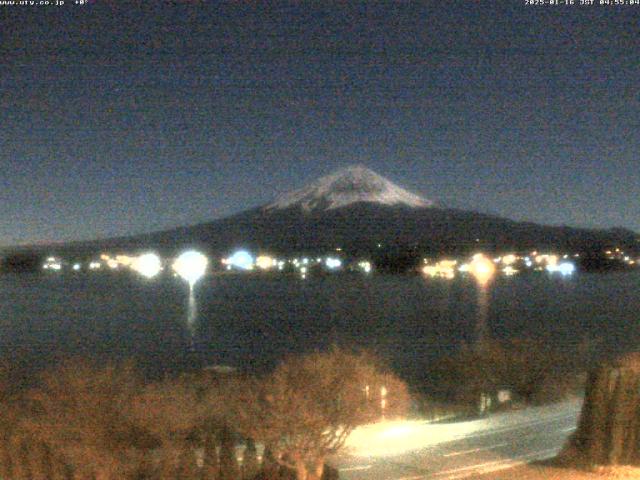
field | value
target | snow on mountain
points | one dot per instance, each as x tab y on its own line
350	185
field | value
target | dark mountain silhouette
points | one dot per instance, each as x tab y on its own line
361	212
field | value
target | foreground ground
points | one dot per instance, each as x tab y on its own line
545	472
496	447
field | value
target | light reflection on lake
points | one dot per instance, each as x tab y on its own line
252	320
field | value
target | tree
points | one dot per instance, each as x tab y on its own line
229	469
609	427
170	412
533	371
79	413
249	460
308	406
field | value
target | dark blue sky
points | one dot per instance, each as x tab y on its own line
121	120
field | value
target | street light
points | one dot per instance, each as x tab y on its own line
191	266
148	265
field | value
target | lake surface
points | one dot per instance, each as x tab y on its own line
253	321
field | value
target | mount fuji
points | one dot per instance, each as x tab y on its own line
345	187
359	211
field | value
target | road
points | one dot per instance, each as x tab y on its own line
417	450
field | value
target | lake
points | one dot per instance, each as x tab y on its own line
251	321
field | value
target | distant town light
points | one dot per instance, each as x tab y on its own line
482	269
443	269
265	262
148	265
125	260
509	259
509	270
191	266
365	266
564	268
241	259
333	263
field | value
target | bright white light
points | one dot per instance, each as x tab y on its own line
241	259
148	265
191	266
76	267
95	266
52	266
365	266
564	268
333	263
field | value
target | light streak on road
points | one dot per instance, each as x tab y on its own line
417	450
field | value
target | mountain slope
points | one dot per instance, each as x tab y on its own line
357	210
348	186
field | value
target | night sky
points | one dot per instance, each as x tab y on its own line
123	120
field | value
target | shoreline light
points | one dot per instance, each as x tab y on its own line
191	266
333	263
482	269
148	265
241	259
564	268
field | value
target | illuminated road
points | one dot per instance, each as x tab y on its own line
419	450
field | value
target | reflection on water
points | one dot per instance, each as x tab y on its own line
254	321
482	326
192	313
483	271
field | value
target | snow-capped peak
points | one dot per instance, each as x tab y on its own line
350	185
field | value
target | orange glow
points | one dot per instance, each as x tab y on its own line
482	269
509	259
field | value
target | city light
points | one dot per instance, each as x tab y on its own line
509	270
564	268
365	266
333	263
265	262
148	265
191	266
241	259
52	263
442	269
509	259
482	269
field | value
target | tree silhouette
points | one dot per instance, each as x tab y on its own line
308	406
79	417
609	428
